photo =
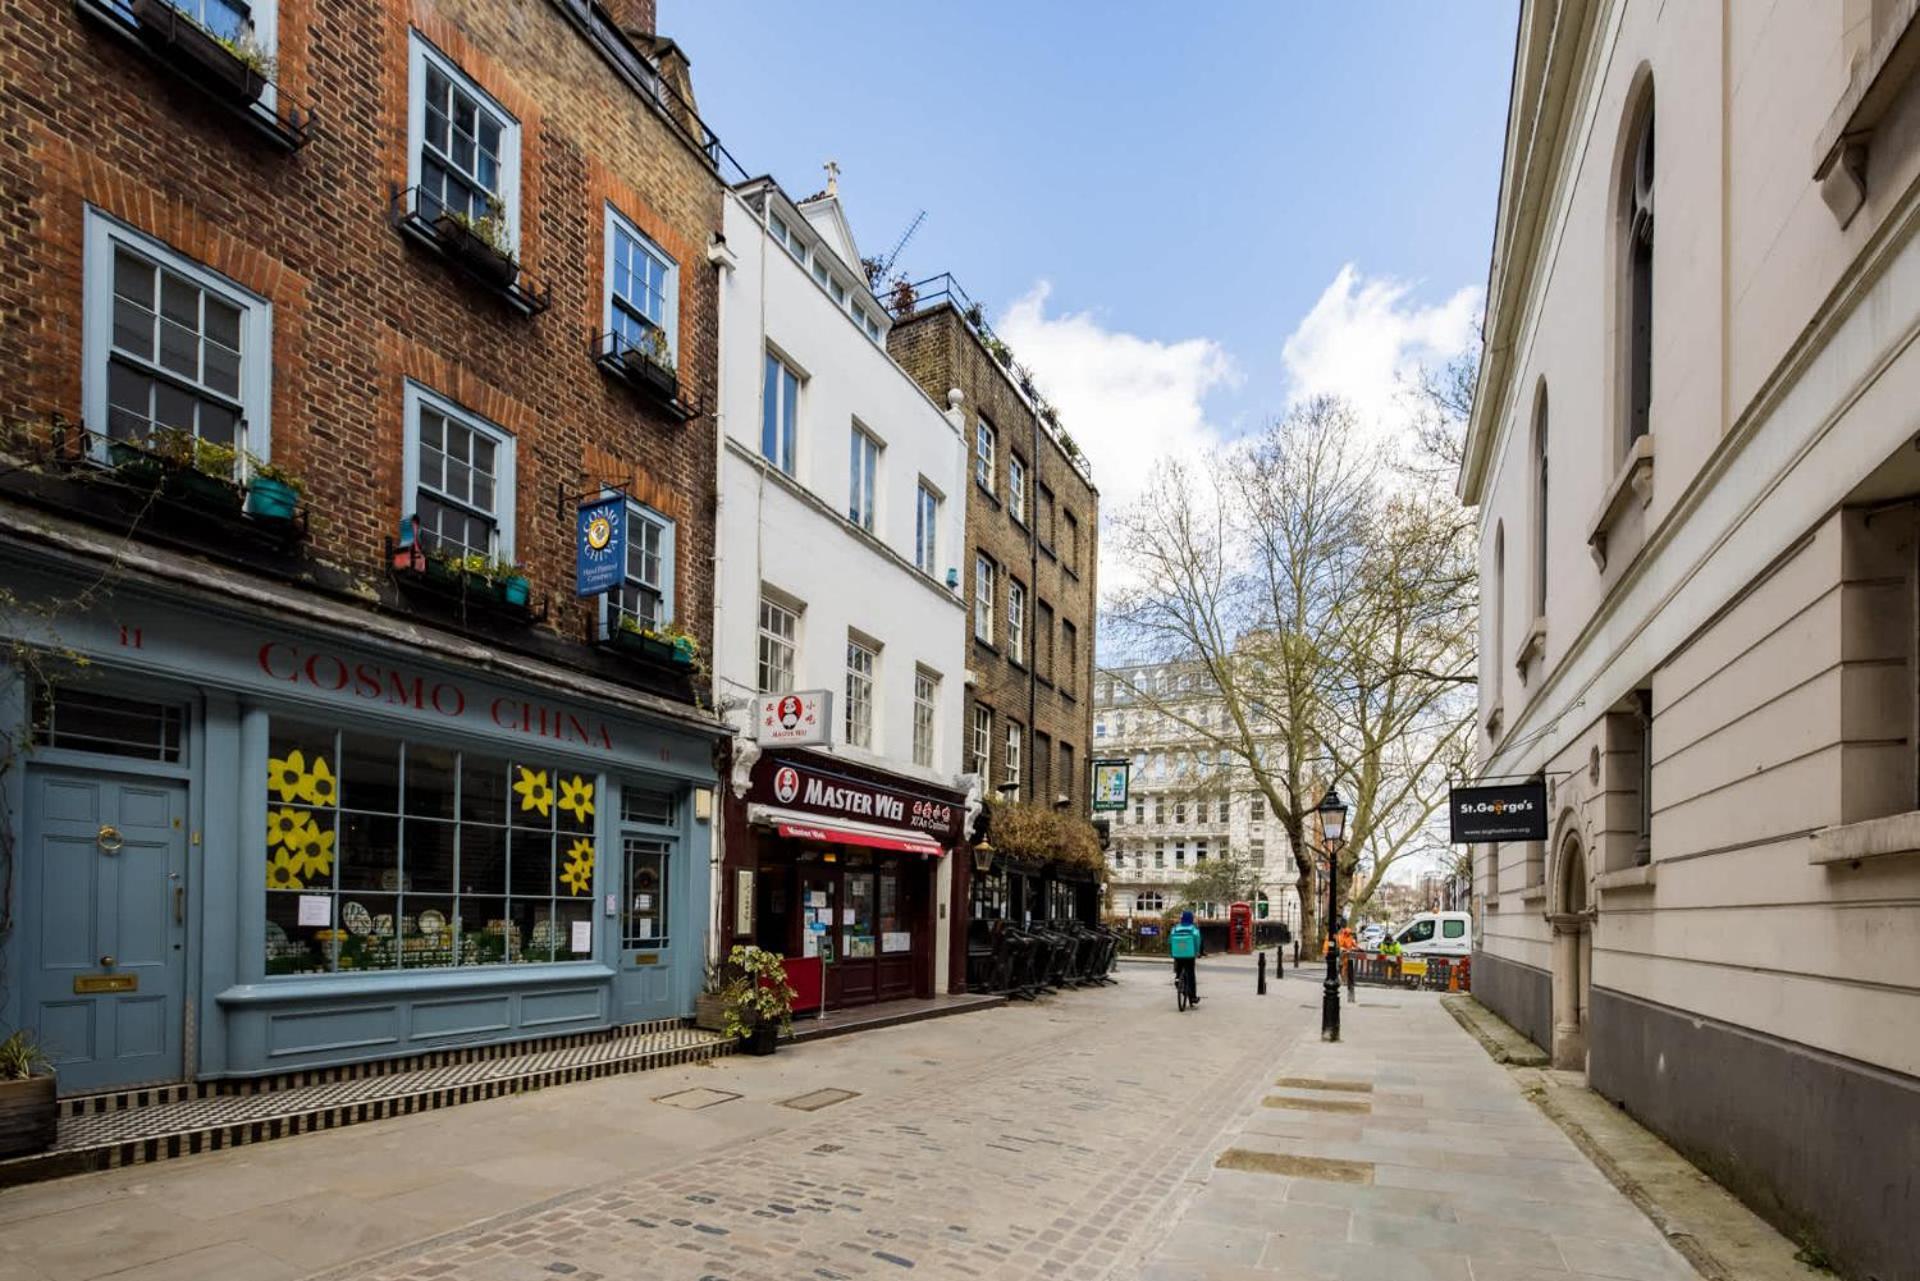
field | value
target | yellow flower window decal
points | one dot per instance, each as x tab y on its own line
576	797
321	787
283	873
313	852
577	875
535	792
287	777
284	826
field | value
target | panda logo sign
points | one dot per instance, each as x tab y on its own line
786	784
798	718
789	711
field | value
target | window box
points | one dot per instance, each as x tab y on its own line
471	584
271	498
465	244
652	374
198	52
134	464
678	650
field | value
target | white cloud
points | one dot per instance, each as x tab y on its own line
1128	401
1365	338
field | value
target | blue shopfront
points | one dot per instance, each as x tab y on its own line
242	848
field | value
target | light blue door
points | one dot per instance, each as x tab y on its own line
647	984
105	899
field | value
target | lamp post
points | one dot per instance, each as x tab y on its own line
1333	830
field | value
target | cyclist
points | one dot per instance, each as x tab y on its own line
1186	944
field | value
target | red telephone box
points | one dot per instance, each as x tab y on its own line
1240	929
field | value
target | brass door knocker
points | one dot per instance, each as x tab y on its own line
109	839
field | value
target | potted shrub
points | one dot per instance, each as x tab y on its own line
480	244
668	643
758	1000
512	581
651	361
133	461
479	570
272	492
236	65
29	1115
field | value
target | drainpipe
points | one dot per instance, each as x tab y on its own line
1033	589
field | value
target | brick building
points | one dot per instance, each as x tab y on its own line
1028	569
447	264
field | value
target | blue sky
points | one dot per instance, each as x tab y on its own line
1182	216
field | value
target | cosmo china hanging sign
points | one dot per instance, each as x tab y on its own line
800	719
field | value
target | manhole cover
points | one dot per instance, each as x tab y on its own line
695	1099
818	1099
1326	1169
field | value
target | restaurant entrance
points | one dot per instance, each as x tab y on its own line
851	902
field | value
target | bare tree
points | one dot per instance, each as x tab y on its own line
1318	605
1224	879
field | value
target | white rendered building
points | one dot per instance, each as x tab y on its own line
839	530
1184	807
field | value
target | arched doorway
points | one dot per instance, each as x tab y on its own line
1572	920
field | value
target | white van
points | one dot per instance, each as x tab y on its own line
1437	934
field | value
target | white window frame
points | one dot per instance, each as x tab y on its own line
617	222
1016	488
863	477
863	670
640	514
419	53
982	747
504	482
985	586
102	235
1010	761
763	637
984	443
926	710
1016	620
926	529
787	445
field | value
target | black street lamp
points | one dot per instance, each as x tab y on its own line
1333	830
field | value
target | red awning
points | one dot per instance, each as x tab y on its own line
828	833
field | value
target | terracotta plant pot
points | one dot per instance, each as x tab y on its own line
29	1116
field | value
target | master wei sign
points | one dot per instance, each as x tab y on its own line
801	719
1511	813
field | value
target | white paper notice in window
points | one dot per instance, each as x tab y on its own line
316	909
583	936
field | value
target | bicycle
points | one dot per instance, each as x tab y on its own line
1183	988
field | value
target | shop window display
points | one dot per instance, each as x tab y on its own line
385	854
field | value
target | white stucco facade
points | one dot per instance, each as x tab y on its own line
799	530
1719	684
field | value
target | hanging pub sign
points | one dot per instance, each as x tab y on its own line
1513	812
600	546
803	718
1110	780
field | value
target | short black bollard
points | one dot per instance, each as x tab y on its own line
1280	961
1263	974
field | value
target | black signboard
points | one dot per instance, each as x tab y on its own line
1517	812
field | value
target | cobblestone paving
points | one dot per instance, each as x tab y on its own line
1056	1160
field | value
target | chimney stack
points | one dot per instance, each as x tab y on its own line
635	17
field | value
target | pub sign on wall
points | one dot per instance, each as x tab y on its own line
1110	780
803	718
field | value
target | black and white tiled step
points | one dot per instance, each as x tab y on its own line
150	1096
179	1127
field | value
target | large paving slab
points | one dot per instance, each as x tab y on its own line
1435	1166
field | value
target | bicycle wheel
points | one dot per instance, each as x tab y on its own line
1180	991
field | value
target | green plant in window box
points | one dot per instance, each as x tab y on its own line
758	1000
29	1114
652	361
669	641
250	53
236	65
199	471
272	492
483	244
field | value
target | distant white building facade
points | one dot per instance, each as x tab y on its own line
1185	805
839	530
